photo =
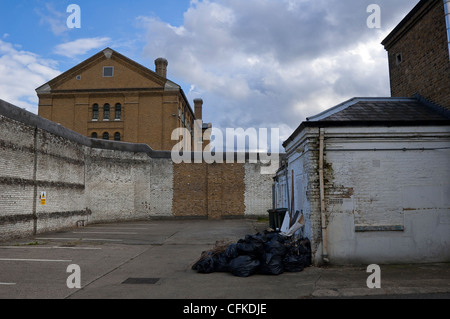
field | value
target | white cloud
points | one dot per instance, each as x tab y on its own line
21	72
81	46
264	63
54	18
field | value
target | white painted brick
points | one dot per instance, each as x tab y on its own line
258	190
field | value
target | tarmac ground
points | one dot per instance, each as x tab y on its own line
152	260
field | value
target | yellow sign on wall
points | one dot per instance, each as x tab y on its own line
43	198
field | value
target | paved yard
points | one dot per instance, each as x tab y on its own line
153	259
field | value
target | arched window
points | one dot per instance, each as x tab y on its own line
117	136
94	135
106	112
95	112
106	136
118	111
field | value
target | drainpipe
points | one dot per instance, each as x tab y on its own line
287	185
322	198
447	21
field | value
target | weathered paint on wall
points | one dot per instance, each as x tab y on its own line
387	193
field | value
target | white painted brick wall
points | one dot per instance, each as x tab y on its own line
16	199
381	179
410	189
258	191
111	183
161	189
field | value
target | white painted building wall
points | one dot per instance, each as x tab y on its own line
258	190
398	206
387	193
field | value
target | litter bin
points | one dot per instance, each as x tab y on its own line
272	213
276	218
279	218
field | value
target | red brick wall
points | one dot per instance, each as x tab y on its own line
208	190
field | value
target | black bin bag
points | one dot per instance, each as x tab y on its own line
221	263
206	264
272	264
295	263
252	245
275	247
244	266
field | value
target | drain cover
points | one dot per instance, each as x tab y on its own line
141	281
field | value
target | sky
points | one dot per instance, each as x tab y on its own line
255	63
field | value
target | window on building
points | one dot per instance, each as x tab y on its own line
118	111
398	58
117	136
106	112
95	112
106	136
108	71
94	135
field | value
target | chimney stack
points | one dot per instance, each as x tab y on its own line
198	106
161	67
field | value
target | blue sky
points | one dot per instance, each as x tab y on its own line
255	63
39	26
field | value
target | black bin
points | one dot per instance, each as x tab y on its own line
276	218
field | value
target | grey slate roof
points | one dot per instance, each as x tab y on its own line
388	111
383	109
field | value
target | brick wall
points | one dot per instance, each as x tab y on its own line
190	190
257	190
307	190
221	190
114	182
103	181
389	205
419	58
387	193
33	161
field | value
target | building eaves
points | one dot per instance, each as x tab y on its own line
408	21
109	53
358	107
381	112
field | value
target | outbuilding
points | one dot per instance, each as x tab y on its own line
372	178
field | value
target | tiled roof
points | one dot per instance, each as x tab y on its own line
378	112
383	109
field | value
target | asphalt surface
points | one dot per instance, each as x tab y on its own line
153	259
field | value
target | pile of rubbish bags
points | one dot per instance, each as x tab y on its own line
269	254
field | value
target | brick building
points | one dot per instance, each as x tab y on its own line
111	97
372	175
418	52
